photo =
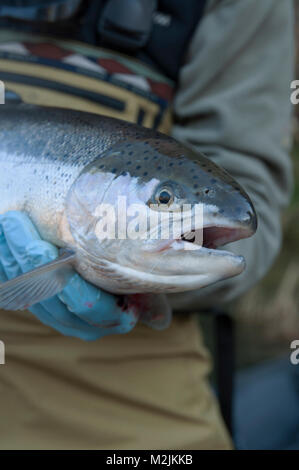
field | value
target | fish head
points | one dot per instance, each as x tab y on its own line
150	216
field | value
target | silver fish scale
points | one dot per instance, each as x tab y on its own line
46	149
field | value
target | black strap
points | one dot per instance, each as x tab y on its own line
126	25
159	33
225	364
173	28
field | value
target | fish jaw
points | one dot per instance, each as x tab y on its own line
164	266
170	271
178	265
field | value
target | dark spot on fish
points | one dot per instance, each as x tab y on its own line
145	173
195	186
138	167
159	168
129	162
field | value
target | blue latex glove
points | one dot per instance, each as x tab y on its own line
80	310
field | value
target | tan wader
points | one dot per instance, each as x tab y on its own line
143	390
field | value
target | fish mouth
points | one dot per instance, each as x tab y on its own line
195	259
209	238
185	263
180	264
212	237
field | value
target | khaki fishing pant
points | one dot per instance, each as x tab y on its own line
143	390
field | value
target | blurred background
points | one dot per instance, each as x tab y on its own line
266	386
268	316
265	405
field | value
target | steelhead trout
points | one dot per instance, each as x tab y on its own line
64	167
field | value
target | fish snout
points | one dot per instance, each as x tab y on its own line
249	220
232	218
244	215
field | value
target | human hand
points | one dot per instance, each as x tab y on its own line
81	310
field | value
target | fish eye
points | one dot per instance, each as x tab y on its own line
164	196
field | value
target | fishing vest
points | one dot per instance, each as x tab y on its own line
111	58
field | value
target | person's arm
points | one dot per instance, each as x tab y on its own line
233	104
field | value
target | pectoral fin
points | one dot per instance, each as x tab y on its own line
37	285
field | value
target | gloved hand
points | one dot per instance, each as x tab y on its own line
80	310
